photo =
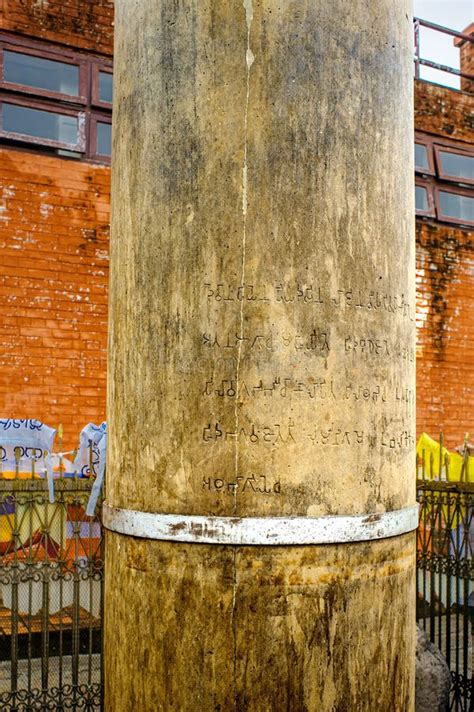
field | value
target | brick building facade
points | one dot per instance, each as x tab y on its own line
445	266
54	221
54	215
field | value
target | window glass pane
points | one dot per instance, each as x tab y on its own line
41	73
454	164
421	156
421	198
105	86
104	139
42	124
460	207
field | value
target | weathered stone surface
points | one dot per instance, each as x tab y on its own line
262	234
433	679
259	629
261	350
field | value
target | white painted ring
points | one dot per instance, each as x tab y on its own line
260	531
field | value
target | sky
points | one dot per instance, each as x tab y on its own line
455	14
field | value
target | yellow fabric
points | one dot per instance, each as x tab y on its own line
6	527
429	449
22	475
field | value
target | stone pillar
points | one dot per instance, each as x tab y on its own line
262	314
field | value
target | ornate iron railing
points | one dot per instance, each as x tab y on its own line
51	574
445	570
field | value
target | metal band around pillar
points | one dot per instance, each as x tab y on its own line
260	531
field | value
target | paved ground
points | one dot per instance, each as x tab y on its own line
29	673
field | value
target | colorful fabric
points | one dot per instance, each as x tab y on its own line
429	450
83	534
438	515
7	518
27	439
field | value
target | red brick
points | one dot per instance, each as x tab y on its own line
85	25
445	353
443	111
53	291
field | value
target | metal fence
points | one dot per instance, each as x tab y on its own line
422	62
51	586
445	570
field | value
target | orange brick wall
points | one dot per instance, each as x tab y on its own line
54	216
445	351
84	24
445	287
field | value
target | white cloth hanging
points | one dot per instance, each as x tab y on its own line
32	440
95	437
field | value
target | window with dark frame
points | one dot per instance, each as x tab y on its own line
55	99
424	204
444	180
454	165
423	159
454	205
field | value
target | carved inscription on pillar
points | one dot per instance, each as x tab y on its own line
303	292
305	377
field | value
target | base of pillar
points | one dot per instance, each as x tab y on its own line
260	629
